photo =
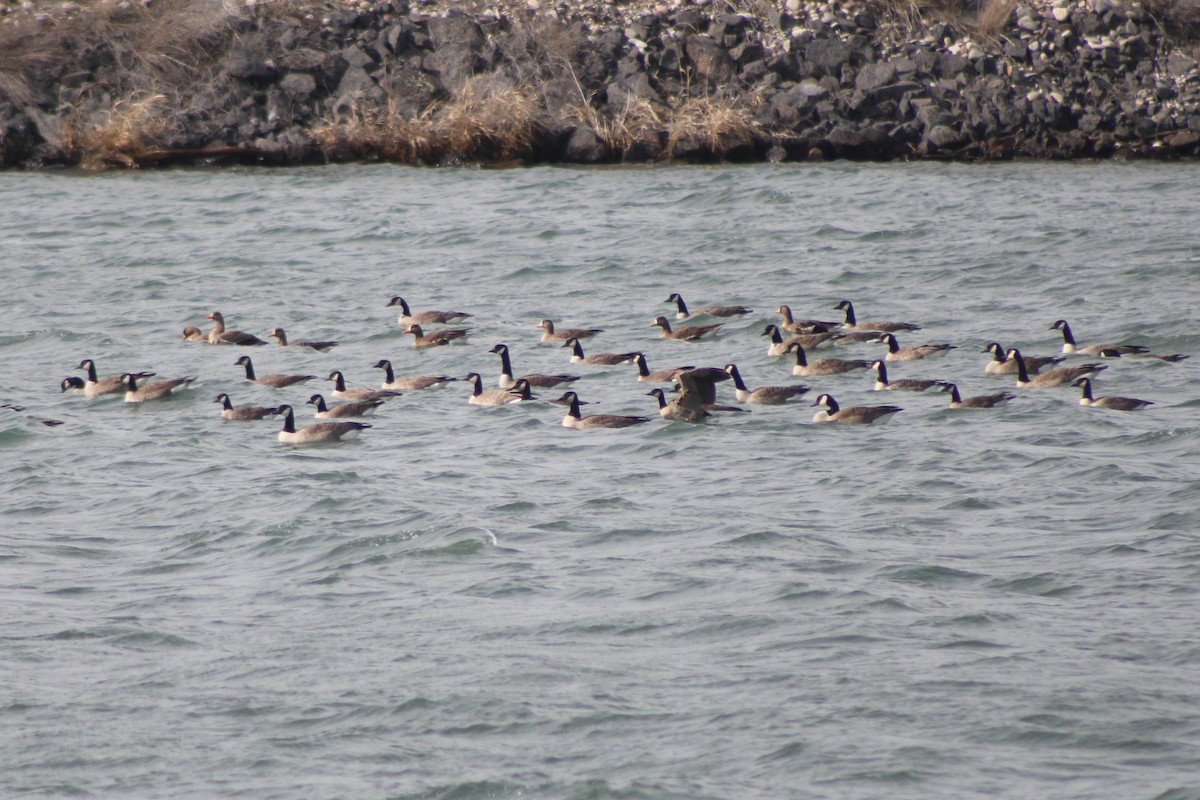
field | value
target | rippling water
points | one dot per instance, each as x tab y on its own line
478	603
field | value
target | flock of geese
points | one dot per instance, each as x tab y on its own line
693	393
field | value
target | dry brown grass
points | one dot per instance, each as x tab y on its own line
131	128
714	125
993	18
1179	18
369	132
488	118
638	123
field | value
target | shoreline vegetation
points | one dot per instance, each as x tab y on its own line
131	83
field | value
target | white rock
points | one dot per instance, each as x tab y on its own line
1061	13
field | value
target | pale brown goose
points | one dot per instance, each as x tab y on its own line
157	390
342	392
493	397
436	338
882	383
1055	377
549	334
1070	346
780	346
407	317
792	325
574	420
110	384
316	432
763	395
912	352
978	401
416	382
507	381
823	366
712	311
1002	365
855	415
1113	402
698	389
193	334
281	335
232	412
218	334
853	324
273	381
688	333
599	359
353	408
659	375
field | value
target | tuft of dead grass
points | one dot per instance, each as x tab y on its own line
132	127
714	125
368	132
993	18
488	118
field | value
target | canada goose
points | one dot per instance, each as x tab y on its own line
158	390
1055	377
803	325
712	311
688	333
410	381
674	410
913	352
906	385
1002	365
549	334
274	381
193	334
507	381
109	384
1069	345
491	397
574	420
698	393
853	324
316	432
218	334
72	384
341	391
1115	403
281	335
435	338
856	415
658	375
978	401
601	359
353	408
823	366
230	411
763	395
779	346
49	423
1169	357
425	317
856	337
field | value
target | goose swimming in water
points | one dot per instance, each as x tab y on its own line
978	401
792	325
273	381
1115	403
158	390
351	408
905	385
416	382
110	384
853	324
573	419
763	395
193	334
913	352
232	412
316	432
436	338
493	397
688	333
712	311
823	366
218	334
658	375
549	334
281	335
780	346
1070	346
1055	377
856	415
600	359
1171	358
1002	365
507	381
407	317
342	392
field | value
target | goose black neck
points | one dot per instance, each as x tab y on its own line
91	369
386	366
1022	372
643	370
249	369
683	309
1068	337
478	385
801	357
577	349
832	405
506	363
737	379
851	320
773	332
289	421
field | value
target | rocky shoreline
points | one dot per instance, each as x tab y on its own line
190	82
